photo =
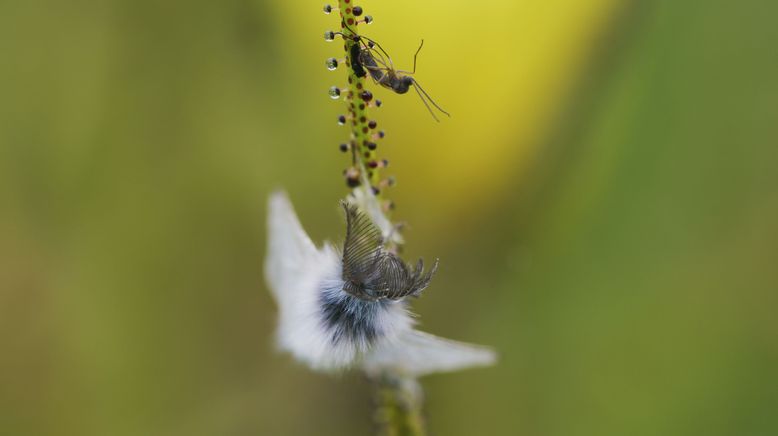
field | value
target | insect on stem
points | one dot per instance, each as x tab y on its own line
379	65
358	98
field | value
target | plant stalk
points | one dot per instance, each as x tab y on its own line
398	406
358	100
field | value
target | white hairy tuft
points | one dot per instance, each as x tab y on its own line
301	276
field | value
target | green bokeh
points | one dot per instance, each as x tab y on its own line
628	281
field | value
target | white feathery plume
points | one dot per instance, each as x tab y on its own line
331	323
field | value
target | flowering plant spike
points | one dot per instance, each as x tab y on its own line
345	306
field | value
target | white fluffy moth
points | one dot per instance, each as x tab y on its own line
346	306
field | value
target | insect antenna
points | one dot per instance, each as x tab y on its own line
422	93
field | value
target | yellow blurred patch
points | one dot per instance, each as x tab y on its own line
501	69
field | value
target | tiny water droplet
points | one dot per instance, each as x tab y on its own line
334	92
329	36
368	19
332	64
327	9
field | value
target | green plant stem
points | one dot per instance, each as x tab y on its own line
398	406
398	399
361	134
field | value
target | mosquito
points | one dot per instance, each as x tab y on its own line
379	66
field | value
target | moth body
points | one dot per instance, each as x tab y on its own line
341	309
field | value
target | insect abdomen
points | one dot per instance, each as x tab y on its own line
366	59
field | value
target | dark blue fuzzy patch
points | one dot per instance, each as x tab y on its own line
350	318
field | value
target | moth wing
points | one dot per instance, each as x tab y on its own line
289	249
367	201
417	353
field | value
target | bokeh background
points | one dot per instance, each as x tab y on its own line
604	201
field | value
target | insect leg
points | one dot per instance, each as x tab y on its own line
414	60
377	45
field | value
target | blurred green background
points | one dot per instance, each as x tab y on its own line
604	201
